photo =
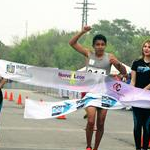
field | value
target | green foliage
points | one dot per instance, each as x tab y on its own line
51	49
124	40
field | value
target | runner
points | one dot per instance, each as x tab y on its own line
98	62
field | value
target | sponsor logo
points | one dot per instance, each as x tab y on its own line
17	70
83	102
72	77
60	109
108	101
10	68
117	87
80	103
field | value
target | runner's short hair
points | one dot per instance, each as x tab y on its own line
99	37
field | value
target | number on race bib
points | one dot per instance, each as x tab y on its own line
96	70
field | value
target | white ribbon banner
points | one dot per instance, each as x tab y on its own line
44	110
99	85
49	77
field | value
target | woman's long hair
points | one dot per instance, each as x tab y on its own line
147	41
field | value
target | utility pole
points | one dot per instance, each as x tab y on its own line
26	30
85	10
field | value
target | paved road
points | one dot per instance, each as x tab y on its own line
17	133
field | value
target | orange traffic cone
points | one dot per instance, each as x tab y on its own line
11	97
61	117
5	96
142	143
19	101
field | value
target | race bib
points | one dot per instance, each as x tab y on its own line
96	70
91	62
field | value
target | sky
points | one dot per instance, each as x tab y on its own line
42	15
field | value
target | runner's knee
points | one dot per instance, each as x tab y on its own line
91	124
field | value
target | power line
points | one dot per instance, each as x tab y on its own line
85	10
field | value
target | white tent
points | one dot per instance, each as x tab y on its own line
115	71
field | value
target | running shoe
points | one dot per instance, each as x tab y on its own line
88	148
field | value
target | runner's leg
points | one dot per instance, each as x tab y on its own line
91	111
101	116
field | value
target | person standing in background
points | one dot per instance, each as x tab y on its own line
140	77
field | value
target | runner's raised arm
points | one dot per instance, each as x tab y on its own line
77	46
